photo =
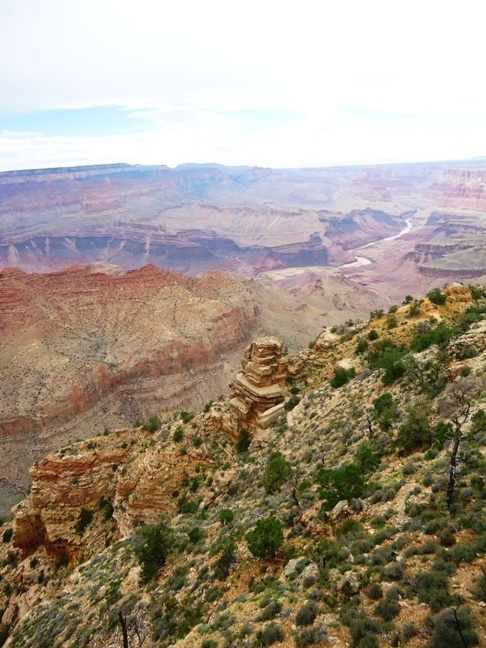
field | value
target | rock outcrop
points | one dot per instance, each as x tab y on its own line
463	189
91	347
112	476
256	396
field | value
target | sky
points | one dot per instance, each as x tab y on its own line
260	83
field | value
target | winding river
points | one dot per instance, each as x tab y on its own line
362	260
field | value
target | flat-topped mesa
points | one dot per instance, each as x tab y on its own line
256	396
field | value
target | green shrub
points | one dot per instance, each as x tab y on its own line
415	309
153	424
307	614
85	517
364	631
454	629
153	542
7	535
386	355
272	633
208	406
209	643
276	473
362	346
394	572
479	590
311	636
387	608
373	335
226	516
416	431
266	538
244	440
432	588
341	376
188	506
270	611
195	535
343	483
383	402
178	434
437	297
374	592
439	335
186	416
106	508
226	560
366	457
292	402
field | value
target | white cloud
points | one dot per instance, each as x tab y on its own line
185	64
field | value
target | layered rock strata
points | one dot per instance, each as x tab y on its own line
115	477
256	396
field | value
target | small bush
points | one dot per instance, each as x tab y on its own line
272	633
85	517
432	588
186	416
342	376
311	636
387	608
224	563
195	535
373	335
374	592
364	631
270	611
153	542
209	643
226	516
7	535
276	473
153	424
244	440
343	483
454	629
416	431
266	538
292	402
178	434
394	572
362	346
437	297
307	614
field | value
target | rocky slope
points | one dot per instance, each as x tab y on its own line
93	347
380	418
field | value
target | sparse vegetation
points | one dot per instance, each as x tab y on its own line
256	544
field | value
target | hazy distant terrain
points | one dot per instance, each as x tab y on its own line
247	220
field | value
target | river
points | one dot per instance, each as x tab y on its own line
361	260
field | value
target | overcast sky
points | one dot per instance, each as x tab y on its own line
268	83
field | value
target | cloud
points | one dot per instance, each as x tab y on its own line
196	76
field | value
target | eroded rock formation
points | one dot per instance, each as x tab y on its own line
114	474
256	396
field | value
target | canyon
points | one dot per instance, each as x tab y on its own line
196	218
154	279
95	347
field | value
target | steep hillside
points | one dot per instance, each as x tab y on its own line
336	497
91	347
